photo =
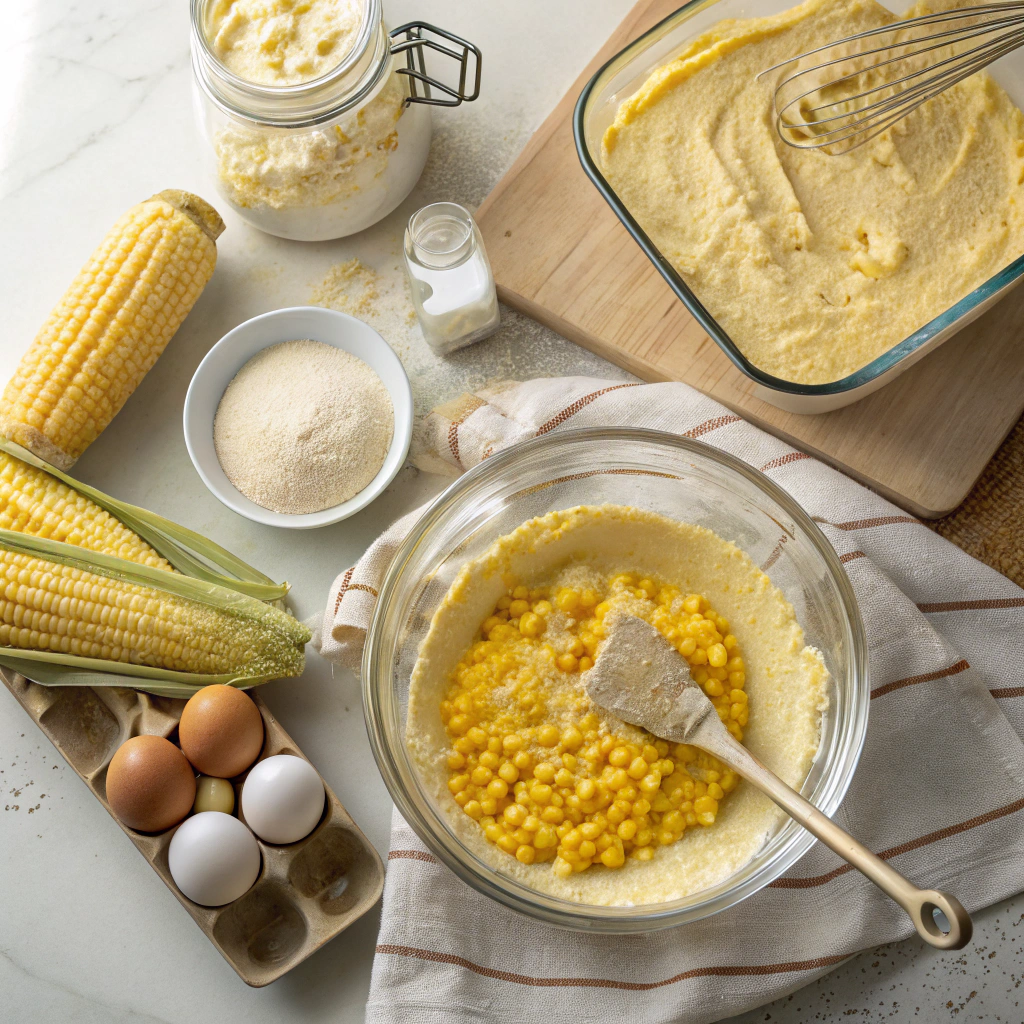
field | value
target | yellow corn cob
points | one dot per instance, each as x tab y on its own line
36	503
111	326
45	606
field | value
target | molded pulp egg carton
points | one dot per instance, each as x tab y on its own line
306	892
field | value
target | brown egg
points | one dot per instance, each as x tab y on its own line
221	731
150	785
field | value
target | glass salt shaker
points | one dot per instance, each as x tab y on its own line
450	278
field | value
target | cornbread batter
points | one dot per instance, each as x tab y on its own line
282	42
815	264
546	787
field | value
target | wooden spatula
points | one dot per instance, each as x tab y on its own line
642	679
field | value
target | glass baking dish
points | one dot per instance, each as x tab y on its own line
628	70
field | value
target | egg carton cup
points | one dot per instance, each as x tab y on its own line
306	892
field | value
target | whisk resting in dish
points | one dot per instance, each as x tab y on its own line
838	96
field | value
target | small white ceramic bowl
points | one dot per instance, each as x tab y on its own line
237	347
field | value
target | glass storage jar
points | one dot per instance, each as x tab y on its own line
328	157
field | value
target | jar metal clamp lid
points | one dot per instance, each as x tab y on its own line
413	46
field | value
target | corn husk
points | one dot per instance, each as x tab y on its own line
53	668
189	552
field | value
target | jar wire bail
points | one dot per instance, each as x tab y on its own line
415	43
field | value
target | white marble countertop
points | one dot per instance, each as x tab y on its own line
97	114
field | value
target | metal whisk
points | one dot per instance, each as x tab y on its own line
839	96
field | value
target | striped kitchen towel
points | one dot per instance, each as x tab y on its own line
939	790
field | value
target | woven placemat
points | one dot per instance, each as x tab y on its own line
990	523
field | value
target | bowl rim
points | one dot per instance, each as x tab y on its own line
513	894
860	377
339	326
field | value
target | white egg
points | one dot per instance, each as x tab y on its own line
213	858
282	799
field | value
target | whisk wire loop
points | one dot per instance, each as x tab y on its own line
861	89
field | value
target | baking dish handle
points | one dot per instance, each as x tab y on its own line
414	39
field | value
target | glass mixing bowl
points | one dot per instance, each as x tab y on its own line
652	470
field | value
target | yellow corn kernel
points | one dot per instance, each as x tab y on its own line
561	867
586	664
548	735
587	850
544	772
572	839
613	857
531	625
619	757
515	814
627	829
567	662
717	655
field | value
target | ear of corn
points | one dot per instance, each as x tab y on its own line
34	502
111	326
69	616
40	500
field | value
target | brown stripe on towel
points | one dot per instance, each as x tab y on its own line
913	844
427	858
580	403
925	677
784	460
983	604
628	986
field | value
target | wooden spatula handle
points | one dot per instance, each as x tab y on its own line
920	904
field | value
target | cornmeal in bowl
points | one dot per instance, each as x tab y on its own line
814	264
543	785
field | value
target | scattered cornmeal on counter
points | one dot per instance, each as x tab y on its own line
303	426
545	786
815	264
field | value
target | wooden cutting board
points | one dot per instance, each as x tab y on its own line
561	256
